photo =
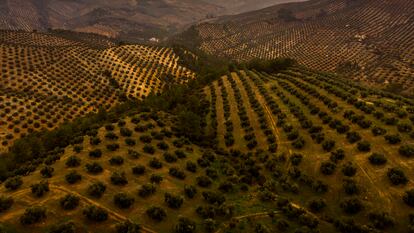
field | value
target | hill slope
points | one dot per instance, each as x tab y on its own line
297	151
131	20
48	79
369	40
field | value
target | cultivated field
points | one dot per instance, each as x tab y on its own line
370	41
330	142
47	79
136	169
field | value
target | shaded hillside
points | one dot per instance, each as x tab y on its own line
368	40
51	78
132	20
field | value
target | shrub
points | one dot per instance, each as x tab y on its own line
116	160
73	177
319	187
377	159
13	183
393	138
119	178
191	166
377	131
33	215
156	213
97	153
226	186
296	159
112	147
73	161
69	202
66	227
190	191
145	138
337	155
123	200
162	145
128	227
210	225
406	150
94	168
96	189
408	197
349	169
133	154
138	170
317	205
396	176
95	141
350	187
130	142
149	149
156	179
147	190
404	128
173	201
351	206
353	137
155	163
327	168
214	197
109	127
185	225
111	136
364	146
95	214
125	132
5	203
180	154
381	220
40	189
328	145
47	171
203	181
177	173
170	158
299	143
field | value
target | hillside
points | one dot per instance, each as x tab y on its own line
334	146
132	20
370	41
51	78
293	151
150	167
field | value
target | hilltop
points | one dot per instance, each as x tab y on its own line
369	41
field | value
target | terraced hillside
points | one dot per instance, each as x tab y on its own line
370	41
136	170
338	149
47	79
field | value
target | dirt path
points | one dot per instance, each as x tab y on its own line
220	116
112	213
238	131
260	137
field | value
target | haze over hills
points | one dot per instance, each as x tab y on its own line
371	40
134	20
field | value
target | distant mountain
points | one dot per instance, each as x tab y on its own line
369	40
127	19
